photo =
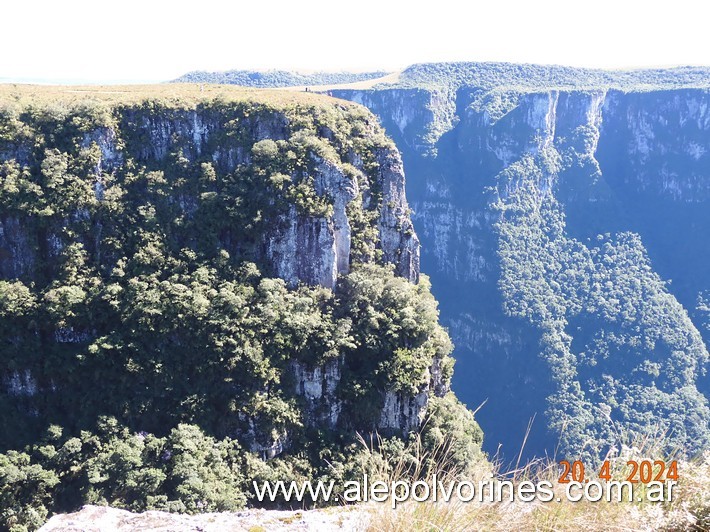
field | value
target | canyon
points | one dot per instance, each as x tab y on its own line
584	158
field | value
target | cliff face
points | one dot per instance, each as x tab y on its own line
552	223
297	248
417	116
114	218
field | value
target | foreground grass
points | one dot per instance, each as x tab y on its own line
689	508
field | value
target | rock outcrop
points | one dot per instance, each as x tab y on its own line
103	519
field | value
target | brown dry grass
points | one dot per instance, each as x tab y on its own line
689	509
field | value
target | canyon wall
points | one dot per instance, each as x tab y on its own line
565	234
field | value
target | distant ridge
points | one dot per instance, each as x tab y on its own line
276	78
484	75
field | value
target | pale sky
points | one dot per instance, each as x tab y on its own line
145	40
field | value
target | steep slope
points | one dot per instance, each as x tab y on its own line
554	207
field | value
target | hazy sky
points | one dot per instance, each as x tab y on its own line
144	40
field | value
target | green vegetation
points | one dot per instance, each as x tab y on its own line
147	348
186	471
622	352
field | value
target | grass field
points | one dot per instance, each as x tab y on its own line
185	93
